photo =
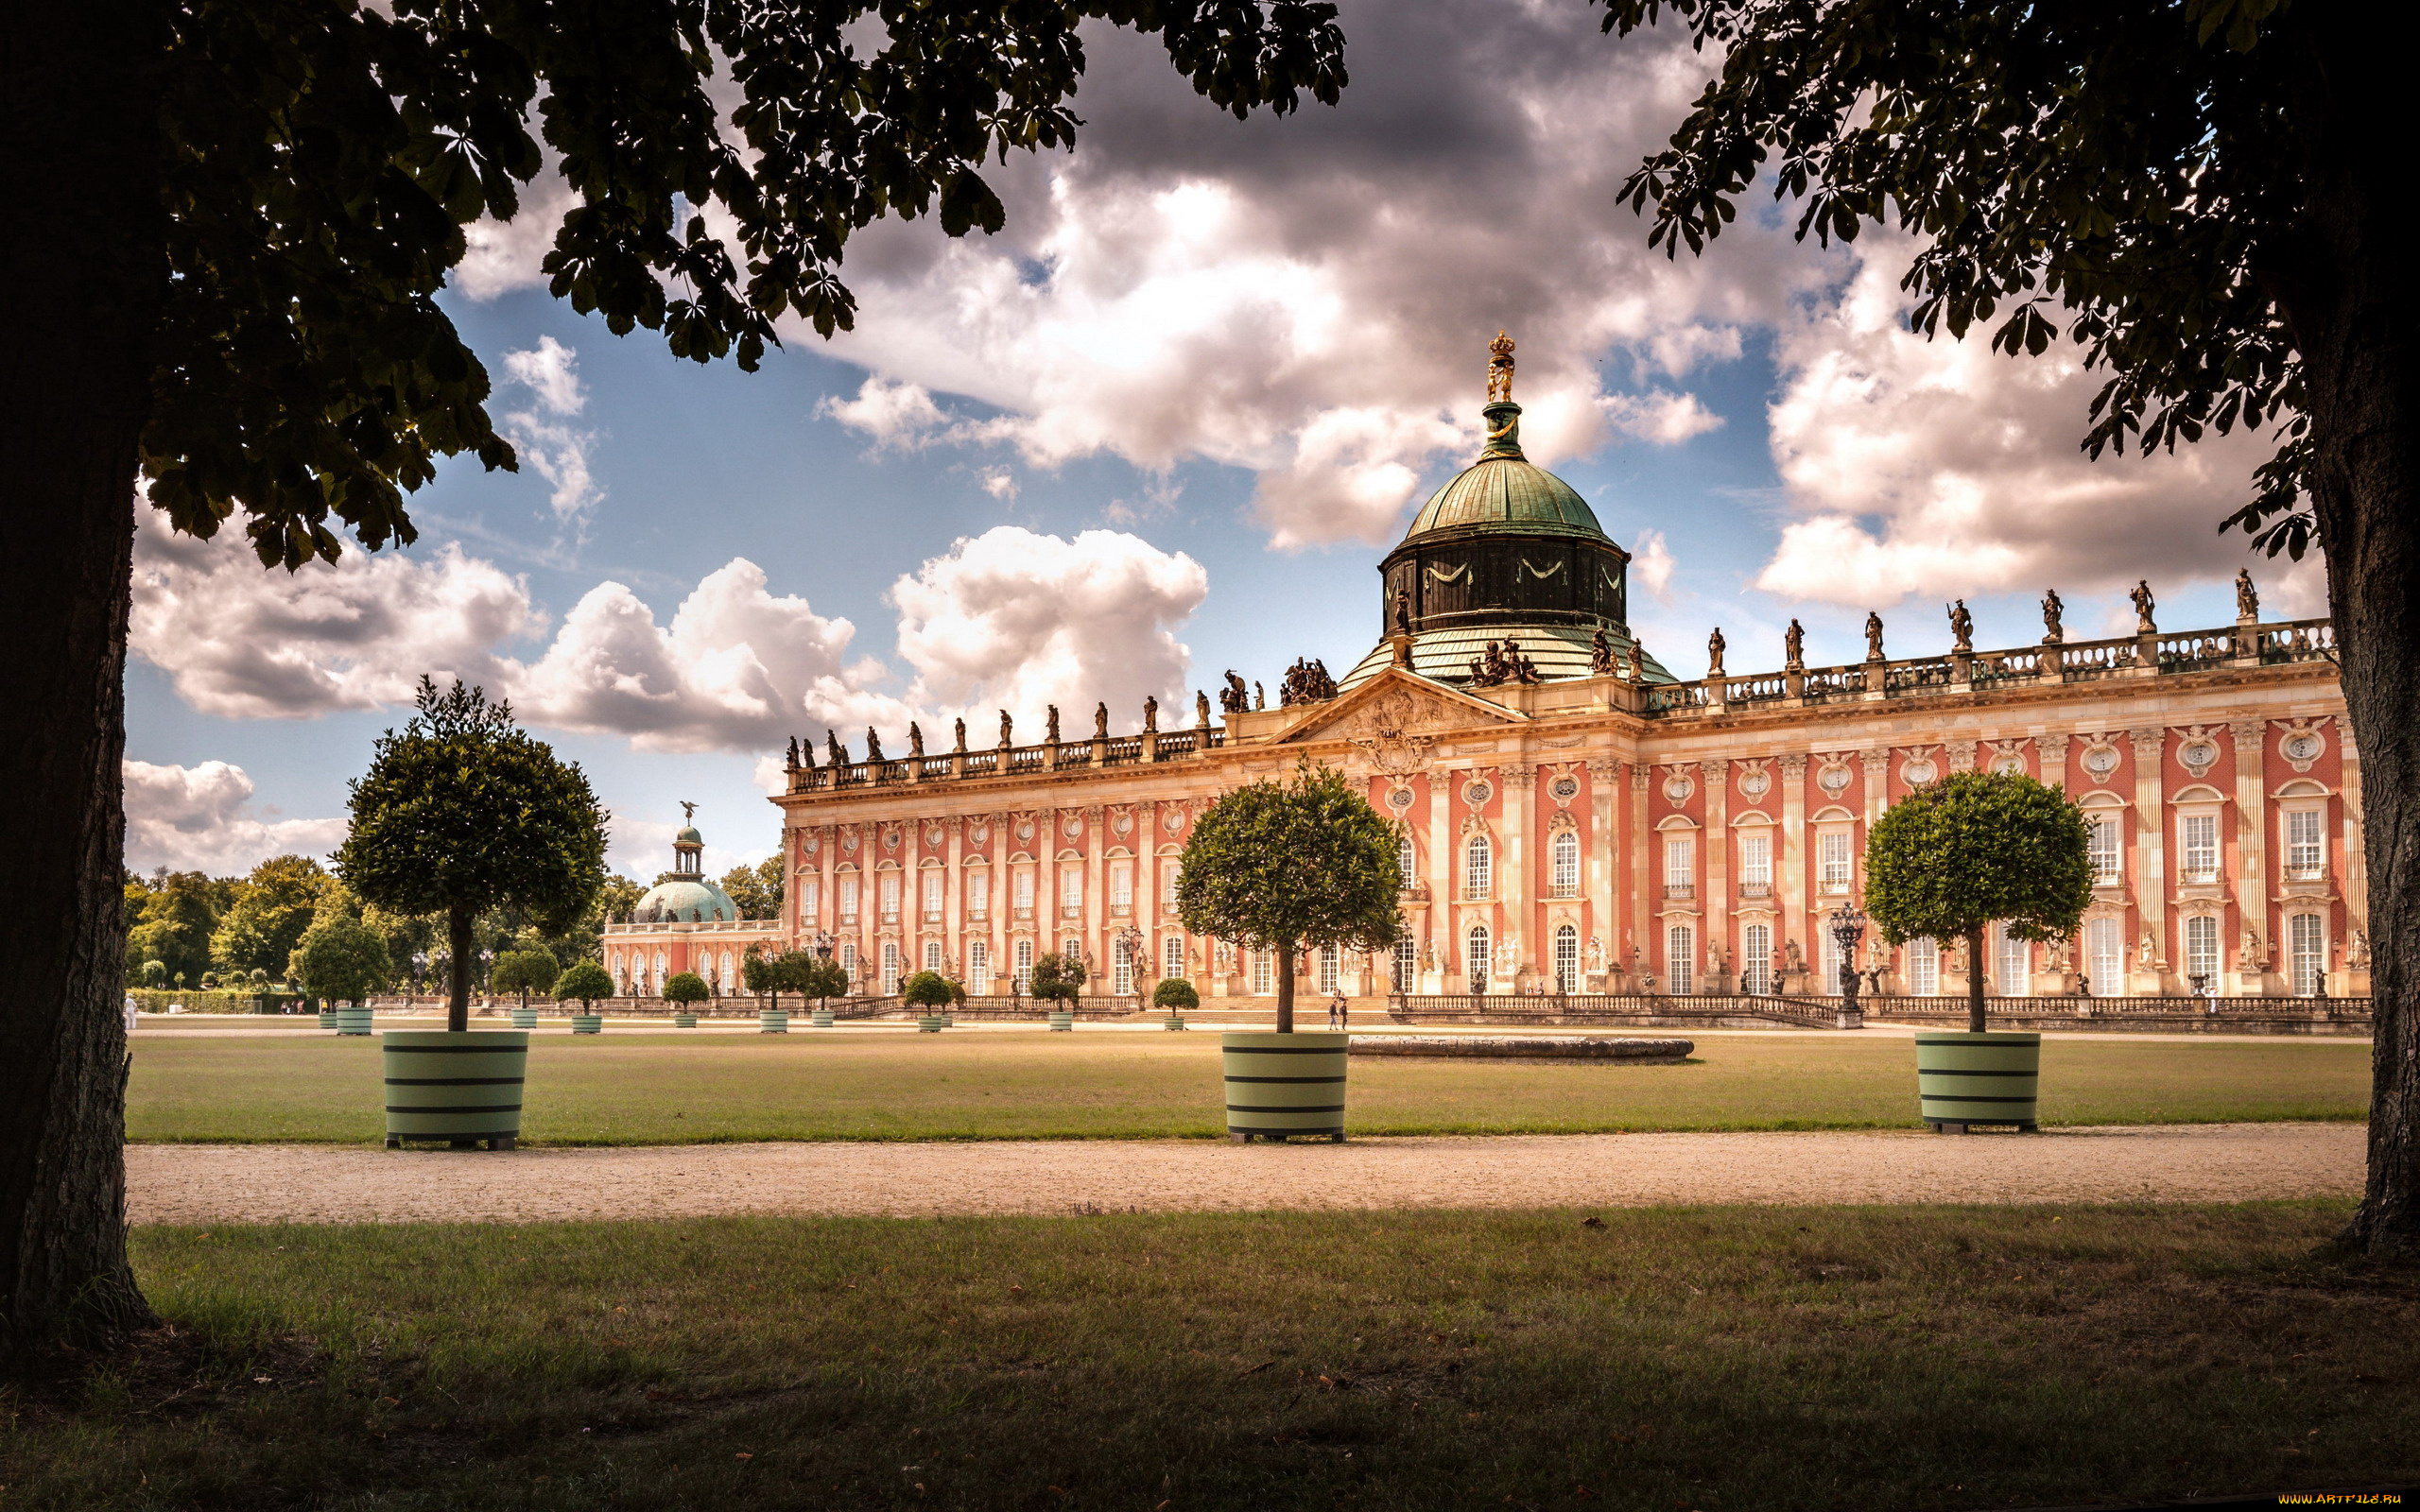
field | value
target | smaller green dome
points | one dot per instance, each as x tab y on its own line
1505	489
686	901
689	836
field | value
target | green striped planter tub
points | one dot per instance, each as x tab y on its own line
461	1089
327	1017
931	1023
588	1023
1966	1080
1174	1021
773	1021
1062	1022
525	1017
684	1020
821	1018
353	1018
1285	1085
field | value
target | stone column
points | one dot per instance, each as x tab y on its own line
2055	759
1520	784
2150	978
1604	870
1790	885
2356	889
1714	868
1445	877
954	894
1645	874
2251	883
1097	921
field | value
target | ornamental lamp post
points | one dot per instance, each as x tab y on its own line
1848	930
823	944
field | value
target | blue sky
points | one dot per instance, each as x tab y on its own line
1207	371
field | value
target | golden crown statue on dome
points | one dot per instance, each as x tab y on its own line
1499	369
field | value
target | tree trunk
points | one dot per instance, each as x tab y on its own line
1286	987
77	138
458	989
2345	293
1974	979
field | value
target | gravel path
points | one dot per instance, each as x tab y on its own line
296	1183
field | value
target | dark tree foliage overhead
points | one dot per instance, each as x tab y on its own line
462	813
250	207
2207	198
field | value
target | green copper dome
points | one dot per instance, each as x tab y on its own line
686	901
1505	490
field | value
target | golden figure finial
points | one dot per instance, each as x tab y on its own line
1499	369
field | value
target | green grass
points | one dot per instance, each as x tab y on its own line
1722	1359
660	1087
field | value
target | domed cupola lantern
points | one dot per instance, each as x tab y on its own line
684	895
1505	551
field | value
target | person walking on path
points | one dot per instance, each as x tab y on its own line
1339	1012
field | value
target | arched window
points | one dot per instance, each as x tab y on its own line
2306	952
1924	966
933	957
1680	960
1407	963
1023	971
1121	966
1756	961
2105	955
1566	956
2201	952
655	986
1478	955
1406	860
889	968
1172	956
1478	867
979	967
1564	863
723	979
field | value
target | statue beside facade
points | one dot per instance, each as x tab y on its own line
1872	636
915	740
1233	699
1500	663
1306	681
873	745
1793	647
1715	645
1600	654
1962	628
2247	598
2144	604
2053	633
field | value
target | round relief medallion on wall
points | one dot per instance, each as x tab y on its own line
978	834
2304	747
1565	789
1399	799
1677	789
1755	784
1122	823
2198	756
848	841
1025	829
932	834
1477	794
2100	761
1833	780
813	843
1172	821
890	839
1071	827
1920	771
2008	763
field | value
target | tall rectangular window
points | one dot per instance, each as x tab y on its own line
1833	862
2014	959
1680	867
1021	971
1121	885
2307	951
1121	967
890	968
848	899
1566	958
1407	963
1264	971
1829	958
1329	969
1478	867
934	884
1022	890
888	885
1756	961
2198	847
2305	844
933	961
1071	890
2202	951
1680	959
1756	865
1924	966
979	967
1170	872
1172	956
2100	850
2104	955
1407	862
978	895
1479	957
1563	864
810	901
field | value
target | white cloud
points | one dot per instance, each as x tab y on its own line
1000	484
505	256
1310	298
737	668
1016	620
241	642
558	451
202	818
1941	467
1651	564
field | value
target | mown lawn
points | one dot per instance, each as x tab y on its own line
666	1088
1722	1359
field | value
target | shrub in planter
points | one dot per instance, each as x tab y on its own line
524	971
1058	979
1949	861
582	982
686	988
339	958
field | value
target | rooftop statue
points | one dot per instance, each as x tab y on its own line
1714	649
1962	628
1151	716
1008	736
961	736
1499	369
1050	732
2144	604
791	761
1793	646
1100	721
2053	633
1600	654
873	745
1259	695
839	752
915	739
2247	598
1233	699
1872	636
1200	710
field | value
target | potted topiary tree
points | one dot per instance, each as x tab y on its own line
935	995
462	813
1286	866
1059	979
811	976
526	972
761	977
1947	862
582	982
1175	994
687	989
340	961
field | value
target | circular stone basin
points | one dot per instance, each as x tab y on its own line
1508	1047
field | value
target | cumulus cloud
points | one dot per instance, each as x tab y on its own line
541	432
1000	484
241	642
1940	468
202	818
1651	564
1310	298
1011	619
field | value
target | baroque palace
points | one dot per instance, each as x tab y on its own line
1574	816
